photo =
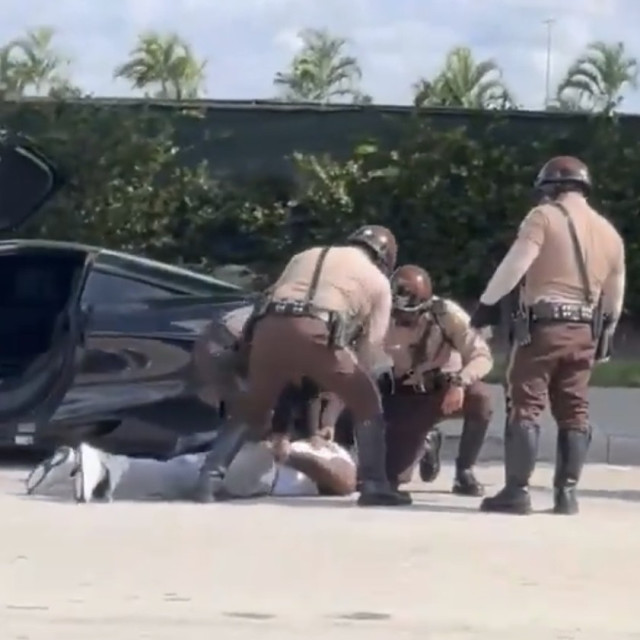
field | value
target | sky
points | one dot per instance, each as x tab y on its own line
396	41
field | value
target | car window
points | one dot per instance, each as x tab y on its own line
108	288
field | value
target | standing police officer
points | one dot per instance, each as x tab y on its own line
326	300
573	264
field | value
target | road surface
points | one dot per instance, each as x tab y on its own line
322	568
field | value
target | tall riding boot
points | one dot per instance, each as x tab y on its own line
571	454
225	448
471	441
429	465
521	450
374	486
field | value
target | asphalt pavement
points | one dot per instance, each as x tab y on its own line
323	568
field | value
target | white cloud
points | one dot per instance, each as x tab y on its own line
289	40
248	41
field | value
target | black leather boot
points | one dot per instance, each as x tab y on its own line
521	450
471	441
225	448
373	484
429	466
571	454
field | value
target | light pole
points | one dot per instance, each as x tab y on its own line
547	79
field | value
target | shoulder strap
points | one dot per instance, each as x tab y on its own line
418	348
577	250
315	278
437	310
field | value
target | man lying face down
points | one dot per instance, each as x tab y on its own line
293	460
302	468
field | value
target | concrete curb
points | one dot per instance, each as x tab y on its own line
615	415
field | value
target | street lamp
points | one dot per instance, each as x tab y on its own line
547	80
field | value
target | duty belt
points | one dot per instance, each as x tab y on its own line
430	382
298	309
562	312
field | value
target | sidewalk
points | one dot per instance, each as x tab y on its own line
323	569
615	414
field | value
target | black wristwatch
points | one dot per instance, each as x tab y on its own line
455	380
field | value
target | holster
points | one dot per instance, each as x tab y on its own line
259	311
602	335
520	329
343	330
601	321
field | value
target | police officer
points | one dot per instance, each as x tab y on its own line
326	299
439	362
572	258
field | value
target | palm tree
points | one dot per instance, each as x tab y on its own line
600	75
321	71
9	86
31	63
568	101
466	83
165	63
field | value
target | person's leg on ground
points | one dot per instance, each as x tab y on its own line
52	471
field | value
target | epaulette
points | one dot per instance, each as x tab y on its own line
438	307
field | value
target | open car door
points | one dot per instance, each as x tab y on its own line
27	181
41	325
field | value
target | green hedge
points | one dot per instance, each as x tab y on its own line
453	196
456	200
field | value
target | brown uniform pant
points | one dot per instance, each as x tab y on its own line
411	416
286	349
557	365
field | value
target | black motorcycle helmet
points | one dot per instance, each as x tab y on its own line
563	173
412	289
379	242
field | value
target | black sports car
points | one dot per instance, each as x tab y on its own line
94	343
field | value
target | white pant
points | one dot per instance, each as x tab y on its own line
254	472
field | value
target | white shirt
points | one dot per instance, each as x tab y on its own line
255	472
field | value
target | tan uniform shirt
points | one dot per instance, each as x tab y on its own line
349	283
452	345
544	251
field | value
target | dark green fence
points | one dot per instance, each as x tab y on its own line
256	139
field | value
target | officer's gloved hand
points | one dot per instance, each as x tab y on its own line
485	315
